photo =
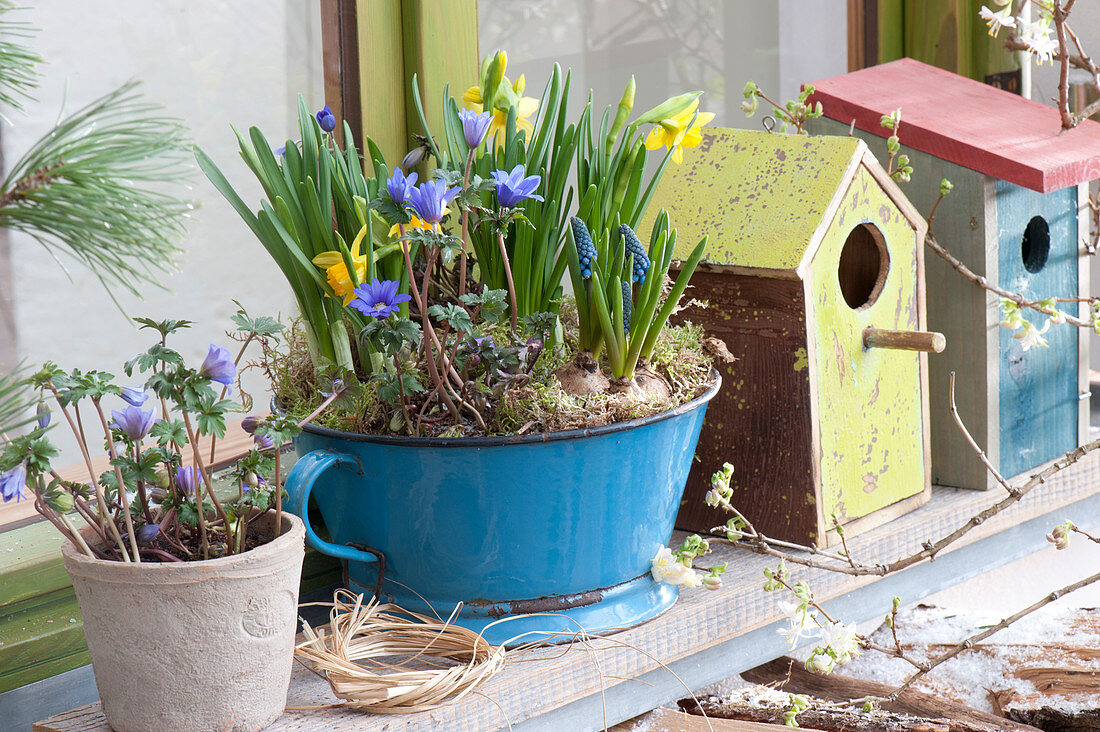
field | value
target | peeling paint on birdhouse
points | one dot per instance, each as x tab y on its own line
813	274
1017	217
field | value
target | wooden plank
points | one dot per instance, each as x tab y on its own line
966	122
440	47
340	47
765	393
673	720
890	22
568	690
41	640
1039	408
760	197
383	81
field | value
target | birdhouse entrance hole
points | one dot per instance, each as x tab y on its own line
864	262
1035	246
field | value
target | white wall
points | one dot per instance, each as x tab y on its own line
211	63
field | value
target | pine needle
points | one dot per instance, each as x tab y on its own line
92	186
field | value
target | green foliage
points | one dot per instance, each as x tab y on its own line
600	298
15	400
93	186
18	63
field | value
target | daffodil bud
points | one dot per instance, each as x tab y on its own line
520	84
626	104
669	108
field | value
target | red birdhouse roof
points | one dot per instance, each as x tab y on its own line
967	123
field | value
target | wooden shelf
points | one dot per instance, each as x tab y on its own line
708	636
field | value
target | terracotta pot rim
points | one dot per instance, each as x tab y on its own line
535	438
293	536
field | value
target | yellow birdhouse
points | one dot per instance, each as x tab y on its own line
814	279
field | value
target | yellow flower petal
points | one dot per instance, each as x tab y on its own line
471	98
520	84
526	107
655	138
678	154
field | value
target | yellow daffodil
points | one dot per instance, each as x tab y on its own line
471	99
336	270
678	132
526	107
416	223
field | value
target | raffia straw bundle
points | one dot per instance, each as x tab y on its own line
383	659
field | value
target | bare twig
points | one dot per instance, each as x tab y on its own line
931	242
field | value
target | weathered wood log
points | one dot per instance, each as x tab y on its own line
1058	720
835	687
673	720
830	719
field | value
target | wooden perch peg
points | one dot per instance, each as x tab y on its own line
904	340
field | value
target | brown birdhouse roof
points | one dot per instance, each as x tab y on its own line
967	123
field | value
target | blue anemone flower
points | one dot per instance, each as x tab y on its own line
326	119
218	365
187	479
513	188
250	423
134	396
43	415
134	422
474	126
12	482
430	200
263	442
147	533
400	186
378	299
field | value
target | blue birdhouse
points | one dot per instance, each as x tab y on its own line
1017	217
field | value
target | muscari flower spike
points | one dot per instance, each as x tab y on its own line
474	126
12	482
513	189
187	479
626	306
326	119
399	186
134	422
218	366
430	200
586	252
634	247
378	299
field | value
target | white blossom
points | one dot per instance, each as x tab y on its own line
841	640
666	567
1031	337
997	20
803	621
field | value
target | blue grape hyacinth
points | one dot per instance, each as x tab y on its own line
626	306
634	247
586	251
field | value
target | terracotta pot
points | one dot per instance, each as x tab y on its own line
190	646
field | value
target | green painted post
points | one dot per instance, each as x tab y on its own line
440	38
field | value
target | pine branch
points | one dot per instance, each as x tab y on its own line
18	64
93	186
15	401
